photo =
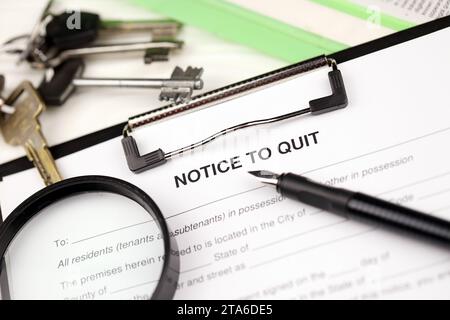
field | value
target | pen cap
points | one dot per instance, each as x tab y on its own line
314	194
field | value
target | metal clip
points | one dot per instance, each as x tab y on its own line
337	100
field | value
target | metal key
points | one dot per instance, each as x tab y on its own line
53	61
158	27
23	128
92	26
51	34
61	82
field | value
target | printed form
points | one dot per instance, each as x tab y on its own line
239	239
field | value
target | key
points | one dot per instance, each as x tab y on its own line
165	29
59	83
60	36
52	33
23	128
158	27
54	61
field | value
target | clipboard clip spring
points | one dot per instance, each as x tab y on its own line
138	163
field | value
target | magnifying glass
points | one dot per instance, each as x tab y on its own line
90	237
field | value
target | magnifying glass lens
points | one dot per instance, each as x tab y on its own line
94	245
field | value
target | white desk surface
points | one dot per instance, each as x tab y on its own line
89	110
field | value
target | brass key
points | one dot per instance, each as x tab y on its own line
23	128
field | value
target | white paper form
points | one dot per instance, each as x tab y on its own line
238	239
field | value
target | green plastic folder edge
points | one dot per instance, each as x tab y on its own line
362	12
240	25
260	32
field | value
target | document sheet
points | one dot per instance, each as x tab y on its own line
418	11
238	239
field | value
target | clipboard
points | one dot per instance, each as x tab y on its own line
106	134
343	56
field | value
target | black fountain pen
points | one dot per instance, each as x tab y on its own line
355	205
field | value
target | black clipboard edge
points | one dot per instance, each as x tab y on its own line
391	40
106	134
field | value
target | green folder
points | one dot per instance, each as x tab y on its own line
263	33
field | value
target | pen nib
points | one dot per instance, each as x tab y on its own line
265	176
